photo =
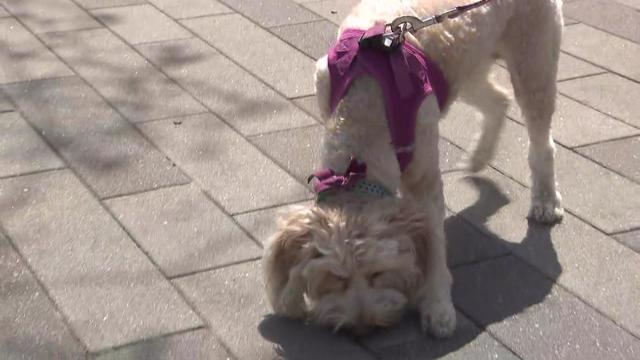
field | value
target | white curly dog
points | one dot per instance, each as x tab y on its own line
355	261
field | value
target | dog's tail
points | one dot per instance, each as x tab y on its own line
323	87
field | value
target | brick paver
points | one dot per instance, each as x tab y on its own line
42	16
141	24
146	150
103	148
177	9
23	57
21	149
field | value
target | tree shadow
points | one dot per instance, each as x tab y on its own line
487	290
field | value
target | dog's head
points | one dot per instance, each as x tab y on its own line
352	267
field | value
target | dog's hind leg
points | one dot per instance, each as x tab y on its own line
492	101
531	50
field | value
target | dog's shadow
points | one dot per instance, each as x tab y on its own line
490	285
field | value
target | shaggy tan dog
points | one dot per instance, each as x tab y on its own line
356	262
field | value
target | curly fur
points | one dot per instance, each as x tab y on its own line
355	262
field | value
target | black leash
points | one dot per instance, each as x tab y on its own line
389	41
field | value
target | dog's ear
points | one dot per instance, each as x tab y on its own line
323	87
415	223
286	252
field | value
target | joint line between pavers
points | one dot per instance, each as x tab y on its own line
582	76
134	193
553	280
35	172
602	66
92	191
598	110
599	142
39	79
236	62
173	81
311	197
489	332
141	341
57	308
214	268
153	144
173	116
272	132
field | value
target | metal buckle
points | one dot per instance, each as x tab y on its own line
409	23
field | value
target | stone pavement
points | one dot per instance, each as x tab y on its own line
132	219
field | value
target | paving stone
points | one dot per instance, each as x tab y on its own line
306	144
450	156
21	149
466	244
5	105
569	21
631	239
141	23
109	292
95	4
106	150
583	260
533	317
292	78
232	171
608	51
262	223
631	3
578	177
23	57
229	91
608	15
182	231
30	325
233	301
570	67
177	9
314	39
262	12
50	15
608	93
332	10
198	344
407	341
622	156
310	105
123	77
573	125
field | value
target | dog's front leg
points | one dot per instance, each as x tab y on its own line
435	306
438	316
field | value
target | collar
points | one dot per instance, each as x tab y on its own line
353	180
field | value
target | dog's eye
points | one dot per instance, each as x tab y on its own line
331	284
373	277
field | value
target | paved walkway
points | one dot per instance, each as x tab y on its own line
132	219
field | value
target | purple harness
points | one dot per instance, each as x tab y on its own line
405	74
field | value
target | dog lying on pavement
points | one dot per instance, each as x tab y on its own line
374	244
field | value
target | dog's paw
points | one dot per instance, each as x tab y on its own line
292	305
546	210
439	319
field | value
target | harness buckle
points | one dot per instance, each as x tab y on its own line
386	42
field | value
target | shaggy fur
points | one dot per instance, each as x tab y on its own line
355	262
